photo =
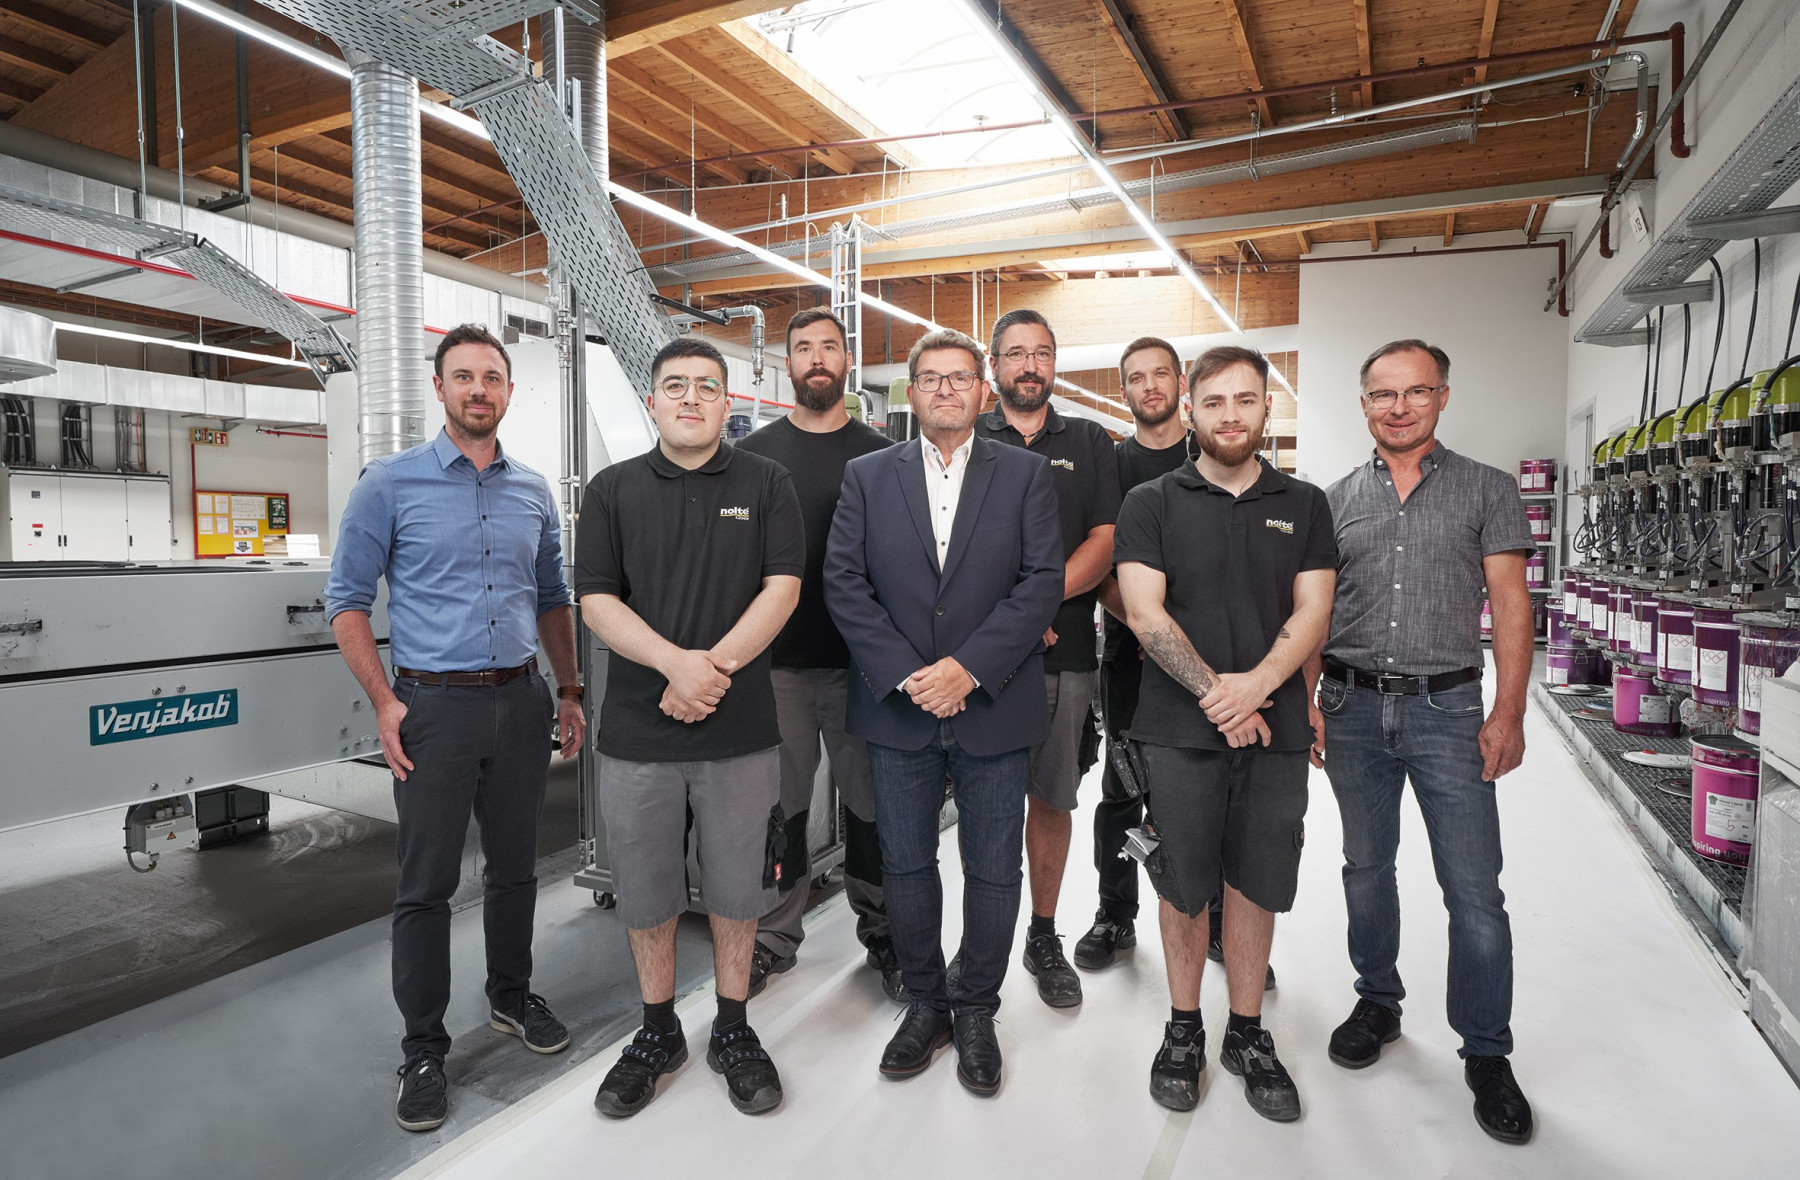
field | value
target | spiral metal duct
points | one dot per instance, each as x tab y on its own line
390	257
574	49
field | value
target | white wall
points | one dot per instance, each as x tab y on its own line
1508	357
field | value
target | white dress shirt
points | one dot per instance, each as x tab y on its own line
943	489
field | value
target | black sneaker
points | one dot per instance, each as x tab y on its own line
1500	1105
1057	983
1175	1074
1104	939
750	1076
1267	1086
1215	950
1356	1043
424	1097
532	1023
883	959
631	1083
764	963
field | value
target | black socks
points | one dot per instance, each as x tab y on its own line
660	1018
1043	926
1245	1026
732	1015
1183	1016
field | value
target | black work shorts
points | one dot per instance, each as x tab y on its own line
1236	813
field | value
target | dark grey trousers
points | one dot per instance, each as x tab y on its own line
482	752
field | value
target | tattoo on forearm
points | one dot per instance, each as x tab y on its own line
1176	655
1284	633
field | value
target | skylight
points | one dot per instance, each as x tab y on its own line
915	65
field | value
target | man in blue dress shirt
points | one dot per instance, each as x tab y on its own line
470	543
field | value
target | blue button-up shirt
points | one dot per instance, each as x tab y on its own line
472	558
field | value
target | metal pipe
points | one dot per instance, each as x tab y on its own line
390	274
575	51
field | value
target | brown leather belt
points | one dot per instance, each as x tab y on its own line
1400	686
489	678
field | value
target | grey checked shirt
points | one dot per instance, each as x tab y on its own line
1409	575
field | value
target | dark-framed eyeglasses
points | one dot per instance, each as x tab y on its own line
707	389
962	381
1417	396
1018	356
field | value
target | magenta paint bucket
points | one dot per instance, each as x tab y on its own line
1537	476
1560	634
1723	819
1487	619
1537	571
1640	708
1717	633
1600	602
1674	639
1622	628
1539	517
1572	665
1769	644
1567	608
1540	619
1644	612
1584	603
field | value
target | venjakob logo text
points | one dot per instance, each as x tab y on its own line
128	721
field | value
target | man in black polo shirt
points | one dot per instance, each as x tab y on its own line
687	562
1085	473
1226	567
809	657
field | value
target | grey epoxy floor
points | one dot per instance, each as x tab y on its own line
230	1015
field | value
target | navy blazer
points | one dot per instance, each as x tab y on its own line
988	608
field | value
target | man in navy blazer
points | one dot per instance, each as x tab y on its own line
943	570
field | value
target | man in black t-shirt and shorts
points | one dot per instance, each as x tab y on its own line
1226	567
687	562
809	659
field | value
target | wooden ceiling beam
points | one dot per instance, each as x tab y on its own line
59	24
1246	49
1046	77
1534	220
19	92
281	127
1300	236
30	57
644	125
431	203
705	71
486	182
1119	24
821	95
705	118
1486	45
1364	62
1449	226
1374	237
632	25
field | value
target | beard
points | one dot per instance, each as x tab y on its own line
475	429
1025	395
1234	454
818	390
1170	407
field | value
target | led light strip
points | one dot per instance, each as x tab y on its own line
187	345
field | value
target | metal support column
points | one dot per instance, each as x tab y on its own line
846	287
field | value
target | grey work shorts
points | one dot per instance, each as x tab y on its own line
739	835
1237	813
1056	761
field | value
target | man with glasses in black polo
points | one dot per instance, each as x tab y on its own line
687	563
1420	531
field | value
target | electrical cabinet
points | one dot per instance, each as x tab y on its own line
83	516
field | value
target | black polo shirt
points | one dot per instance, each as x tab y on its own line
816	462
1085	473
1230	564
687	551
1140	464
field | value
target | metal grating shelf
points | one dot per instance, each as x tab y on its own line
1662	818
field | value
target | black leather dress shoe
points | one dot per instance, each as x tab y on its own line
977	1052
1356	1043
1500	1105
924	1031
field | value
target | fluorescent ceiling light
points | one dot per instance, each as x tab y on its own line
187	345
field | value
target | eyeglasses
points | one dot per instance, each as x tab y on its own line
1418	395
707	389
962	381
1018	356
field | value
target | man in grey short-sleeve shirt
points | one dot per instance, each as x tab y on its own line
1421	531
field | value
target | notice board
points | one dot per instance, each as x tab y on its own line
235	524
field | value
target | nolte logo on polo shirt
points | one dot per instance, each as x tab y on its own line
734	514
1286	526
1068	463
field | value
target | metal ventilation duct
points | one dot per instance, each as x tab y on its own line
576	51
390	257
27	346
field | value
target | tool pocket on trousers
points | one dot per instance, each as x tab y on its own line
1333	695
774	850
1162	878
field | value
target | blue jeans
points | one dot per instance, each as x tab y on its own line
990	809
1373	745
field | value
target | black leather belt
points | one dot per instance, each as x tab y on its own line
489	678
1400	686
